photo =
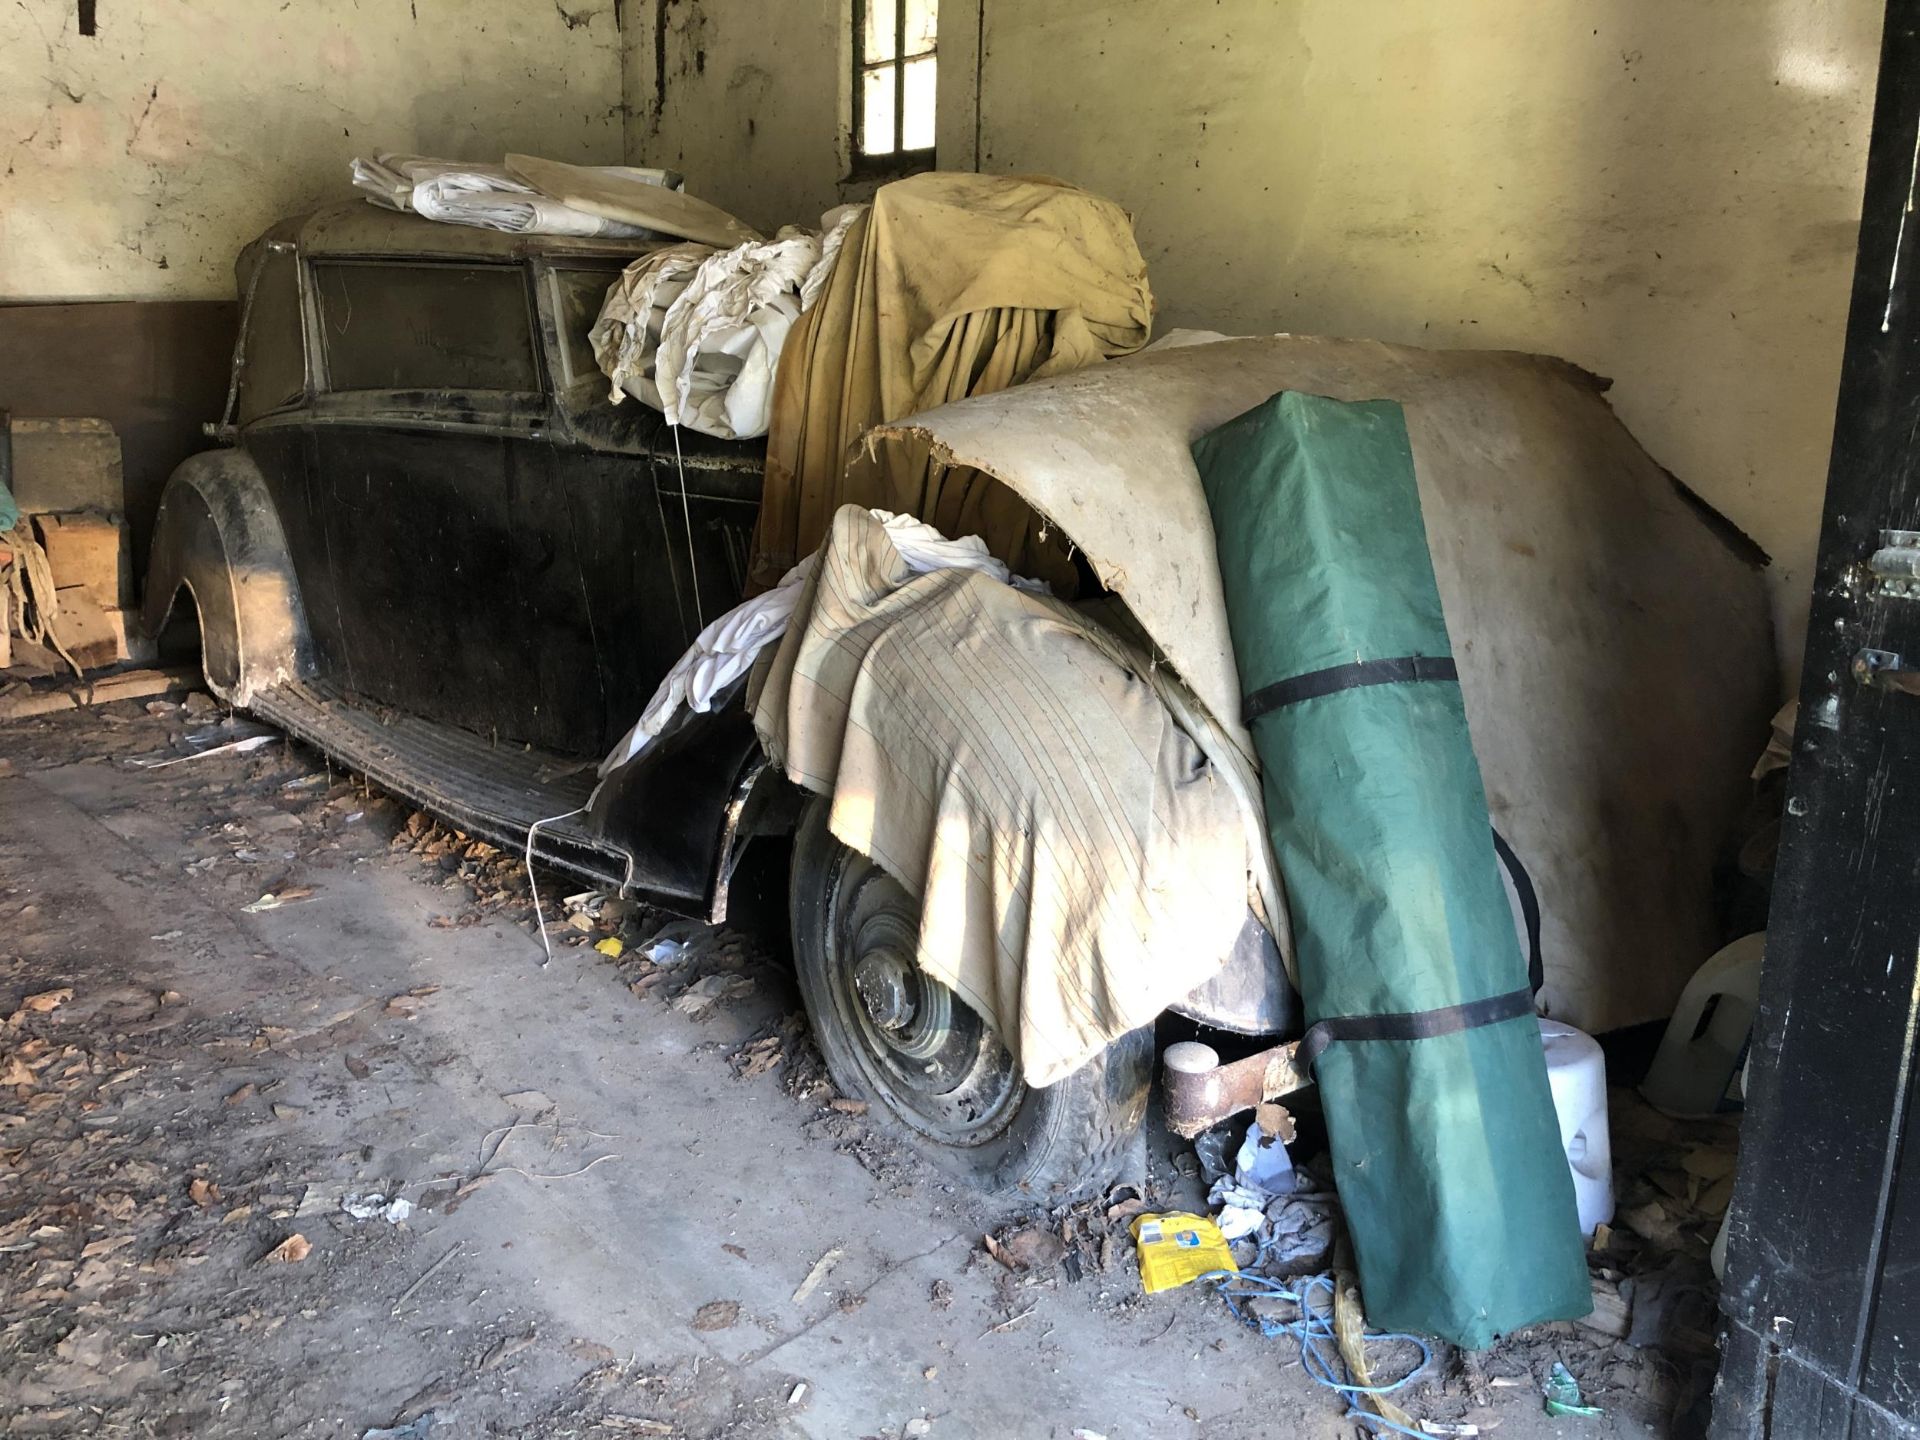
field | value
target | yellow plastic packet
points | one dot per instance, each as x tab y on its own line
1177	1248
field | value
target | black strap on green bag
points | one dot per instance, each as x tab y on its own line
1331	681
1413	1024
1336	678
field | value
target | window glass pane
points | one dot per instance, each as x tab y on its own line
878	38
876	112
273	372
425	327
916	124
577	297
922	21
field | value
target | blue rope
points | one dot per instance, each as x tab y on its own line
1312	1326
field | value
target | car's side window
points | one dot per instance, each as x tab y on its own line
273	356
425	326
577	295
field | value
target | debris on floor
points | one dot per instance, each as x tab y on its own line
1563	1394
1177	1249
1646	1352
193	1099
376	1206
1287	1213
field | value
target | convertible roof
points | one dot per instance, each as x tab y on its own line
355	227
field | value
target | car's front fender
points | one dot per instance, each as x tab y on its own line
218	539
684	807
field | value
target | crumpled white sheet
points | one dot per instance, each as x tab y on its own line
696	333
460	192
723	336
727	648
626	333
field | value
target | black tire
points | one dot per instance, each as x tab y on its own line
928	1067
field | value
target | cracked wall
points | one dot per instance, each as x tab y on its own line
134	163
1666	194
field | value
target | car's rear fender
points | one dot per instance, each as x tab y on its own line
218	539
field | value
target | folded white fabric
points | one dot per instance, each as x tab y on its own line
727	648
697	333
834	226
380	179
460	192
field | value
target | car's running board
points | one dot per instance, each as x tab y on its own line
493	792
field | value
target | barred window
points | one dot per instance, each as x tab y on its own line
893	84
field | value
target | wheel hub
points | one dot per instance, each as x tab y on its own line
886	989
936	1062
912	1013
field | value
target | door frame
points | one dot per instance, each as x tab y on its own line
1816	1317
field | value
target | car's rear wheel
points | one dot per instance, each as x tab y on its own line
929	1067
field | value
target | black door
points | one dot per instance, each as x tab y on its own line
457	589
1822	1289
659	559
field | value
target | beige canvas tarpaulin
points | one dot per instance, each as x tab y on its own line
1080	865
951	285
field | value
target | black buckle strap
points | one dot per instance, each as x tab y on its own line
1315	683
1413	1025
1529	909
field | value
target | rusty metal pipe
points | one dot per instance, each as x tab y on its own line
1201	1092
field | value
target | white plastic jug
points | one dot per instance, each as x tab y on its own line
1695	1065
1577	1071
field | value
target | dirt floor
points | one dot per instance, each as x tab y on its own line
253	1004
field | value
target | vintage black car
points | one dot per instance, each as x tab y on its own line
435	550
438	552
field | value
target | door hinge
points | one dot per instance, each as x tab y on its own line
1895	566
1884	670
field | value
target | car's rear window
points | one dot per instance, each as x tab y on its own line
425	326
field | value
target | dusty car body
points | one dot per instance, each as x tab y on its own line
436	551
1612	632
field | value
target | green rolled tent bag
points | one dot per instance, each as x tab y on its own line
1445	1146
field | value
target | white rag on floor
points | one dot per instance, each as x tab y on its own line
1079	863
727	648
460	192
696	332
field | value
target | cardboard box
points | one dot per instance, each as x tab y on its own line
91	552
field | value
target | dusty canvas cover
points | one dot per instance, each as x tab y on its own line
1612	637
594	191
1080	865
951	285
1446	1148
